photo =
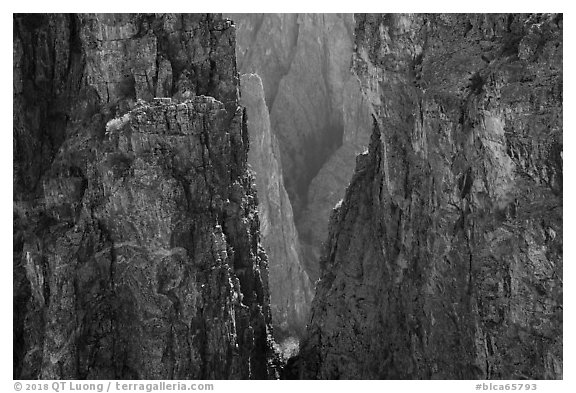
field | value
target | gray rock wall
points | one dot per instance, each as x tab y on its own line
290	288
136	237
316	110
444	259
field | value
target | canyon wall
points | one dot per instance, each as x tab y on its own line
316	110
137	248
444	260
290	288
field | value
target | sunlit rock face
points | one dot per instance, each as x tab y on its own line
444	260
316	110
290	288
137	248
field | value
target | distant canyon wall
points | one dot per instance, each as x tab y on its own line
319	117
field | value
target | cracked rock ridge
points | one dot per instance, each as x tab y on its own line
137	249
444	260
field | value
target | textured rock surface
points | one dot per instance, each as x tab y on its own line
136	241
445	258
290	288
304	61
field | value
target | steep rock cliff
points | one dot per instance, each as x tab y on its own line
136	237
290	288
444	259
304	61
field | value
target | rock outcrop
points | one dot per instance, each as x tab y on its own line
136	235
290	288
444	259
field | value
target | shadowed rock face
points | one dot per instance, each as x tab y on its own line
444	259
136	236
290	288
